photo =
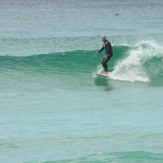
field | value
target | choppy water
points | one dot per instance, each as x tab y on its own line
52	107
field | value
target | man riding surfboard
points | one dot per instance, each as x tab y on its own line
109	53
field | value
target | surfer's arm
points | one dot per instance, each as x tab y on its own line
100	51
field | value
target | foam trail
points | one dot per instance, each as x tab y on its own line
131	68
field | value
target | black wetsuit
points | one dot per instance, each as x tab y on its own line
109	53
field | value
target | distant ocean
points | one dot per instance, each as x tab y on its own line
53	109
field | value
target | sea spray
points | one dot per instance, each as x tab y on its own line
134	66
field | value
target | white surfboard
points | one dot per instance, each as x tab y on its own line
102	75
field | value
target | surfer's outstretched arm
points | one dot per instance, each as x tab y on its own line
100	51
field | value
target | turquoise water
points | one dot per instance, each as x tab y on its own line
52	107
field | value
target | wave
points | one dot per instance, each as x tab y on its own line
122	157
141	62
64	61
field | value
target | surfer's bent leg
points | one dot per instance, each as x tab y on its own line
104	63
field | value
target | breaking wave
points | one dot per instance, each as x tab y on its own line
141	62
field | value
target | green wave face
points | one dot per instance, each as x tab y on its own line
141	62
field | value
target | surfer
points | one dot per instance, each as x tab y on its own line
109	53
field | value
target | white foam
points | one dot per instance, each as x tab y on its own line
131	67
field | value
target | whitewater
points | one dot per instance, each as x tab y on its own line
53	109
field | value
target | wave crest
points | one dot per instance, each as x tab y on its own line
143	61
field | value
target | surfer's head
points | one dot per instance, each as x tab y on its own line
103	38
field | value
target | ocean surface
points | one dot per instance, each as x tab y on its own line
53	109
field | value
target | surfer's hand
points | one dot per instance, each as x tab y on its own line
105	56
97	54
